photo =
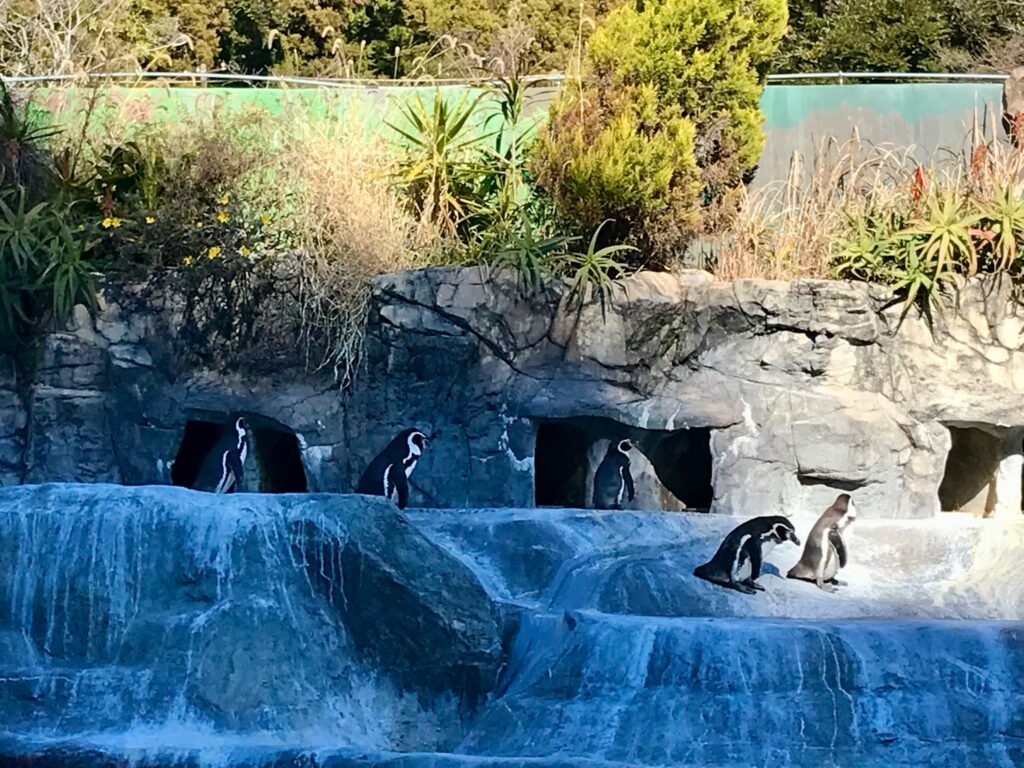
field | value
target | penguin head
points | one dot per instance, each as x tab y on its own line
417	442
781	530
240	426
625	446
844	504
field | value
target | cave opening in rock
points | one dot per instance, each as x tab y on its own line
199	439
682	461
279	461
561	464
274	466
672	469
971	481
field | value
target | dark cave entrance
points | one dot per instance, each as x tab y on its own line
199	439
672	468
969	481
276	459
682	460
279	460
561	464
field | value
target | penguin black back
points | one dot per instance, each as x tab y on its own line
613	481
388	474
737	562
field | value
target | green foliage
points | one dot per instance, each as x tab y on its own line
921	246
528	255
656	140
44	267
1001	226
439	168
905	36
594	272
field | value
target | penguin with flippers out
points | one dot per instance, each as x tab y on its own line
825	551
613	482
737	563
388	474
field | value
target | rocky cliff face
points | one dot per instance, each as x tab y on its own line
746	397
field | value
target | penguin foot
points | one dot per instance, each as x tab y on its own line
740	586
838	583
754	584
825	586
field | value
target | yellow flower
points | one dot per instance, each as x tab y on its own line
264	219
224	199
214	252
187	261
110	222
223	217
150	220
244	251
199	225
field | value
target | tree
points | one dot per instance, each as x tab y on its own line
662	133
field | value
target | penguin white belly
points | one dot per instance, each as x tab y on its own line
831	563
622	487
741	565
743	572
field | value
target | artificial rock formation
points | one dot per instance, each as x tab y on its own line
749	397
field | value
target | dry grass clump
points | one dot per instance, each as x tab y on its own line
349	226
787	230
872	213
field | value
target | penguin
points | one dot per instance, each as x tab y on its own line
737	563
825	552
613	481
232	461
388	474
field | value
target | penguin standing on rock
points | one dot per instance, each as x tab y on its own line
232	460
825	552
388	474
737	563
613	481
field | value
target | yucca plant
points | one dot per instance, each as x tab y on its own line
44	269
440	166
528	254
594	272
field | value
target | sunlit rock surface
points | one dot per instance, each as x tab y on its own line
788	389
163	627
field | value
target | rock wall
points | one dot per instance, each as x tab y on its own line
800	389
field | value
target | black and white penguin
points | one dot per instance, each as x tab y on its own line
737	563
613	481
825	552
388	474
232	460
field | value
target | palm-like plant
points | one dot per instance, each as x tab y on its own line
1002	217
529	256
594	272
438	168
945	232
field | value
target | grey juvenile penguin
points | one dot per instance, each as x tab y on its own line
737	563
613	481
388	474
232	461
825	552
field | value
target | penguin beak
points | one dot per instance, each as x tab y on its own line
794	538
